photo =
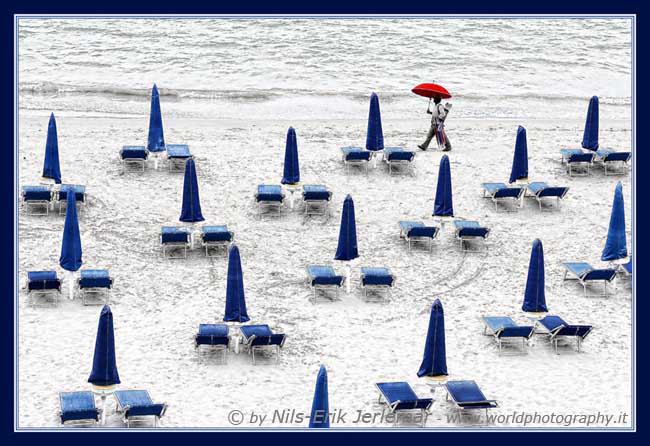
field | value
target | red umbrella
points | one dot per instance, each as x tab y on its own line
431	91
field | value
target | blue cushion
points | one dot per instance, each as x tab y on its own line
553	192
398	154
581	158
575	330
95	278
323	275
423	231
508	192
216	234
552	322
174	234
376	276
134	152
212	334
79	191
402	392
178	151
599	275
491	188
36	193
468	228
43	280
497	322
273	339
315	192
468	395
536	186
77	406
269	193
355	154
524	331
139	403
257	330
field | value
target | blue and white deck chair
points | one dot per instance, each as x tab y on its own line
355	156
62	197
214	336
324	278
174	238
398	157
78	408
468	231
95	281
416	231
43	287
506	331
468	396
585	274
500	192
577	160
137	406
316	198
268	196
611	160
134	155
177	155
377	280
540	190
626	268
216	237
257	338
36	197
558	329
400	397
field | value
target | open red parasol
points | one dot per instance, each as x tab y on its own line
431	91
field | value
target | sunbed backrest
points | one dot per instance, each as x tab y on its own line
552	192
581	158
423	231
508	192
600	274
617	156
274	339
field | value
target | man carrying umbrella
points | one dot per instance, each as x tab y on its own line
439	114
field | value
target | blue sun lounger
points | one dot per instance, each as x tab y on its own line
173	238
377	280
261	337
324	278
614	161
505	330
316	198
398	157
95	281
540	190
499	192
269	196
215	237
468	396
212	335
576	159
400	397
135	155
36	197
416	231
78	408
468	231
585	274
355	156
177	155
43	285
136	406
557	328
80	196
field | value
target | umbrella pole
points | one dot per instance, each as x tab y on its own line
71	285
155	161
349	277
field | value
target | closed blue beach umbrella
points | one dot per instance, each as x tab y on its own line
520	161
291	164
616	244
375	136
104	372
156	139
70	259
443	206
347	248
320	406
535	297
191	211
51	167
434	361
590	137
235	299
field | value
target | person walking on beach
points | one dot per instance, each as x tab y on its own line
437	129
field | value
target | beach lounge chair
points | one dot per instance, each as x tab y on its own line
400	397
355	156
177	154
468	231
213	335
95	281
577	160
468	396
174	238
613	161
505	330
136	155
316	198
78	408
36	197
62	197
136	406
256	338
269	196
587	275
540	190
626	268
398	157
43	286
324	278
216	237
377	280
499	192
416	231
557	329
566	154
